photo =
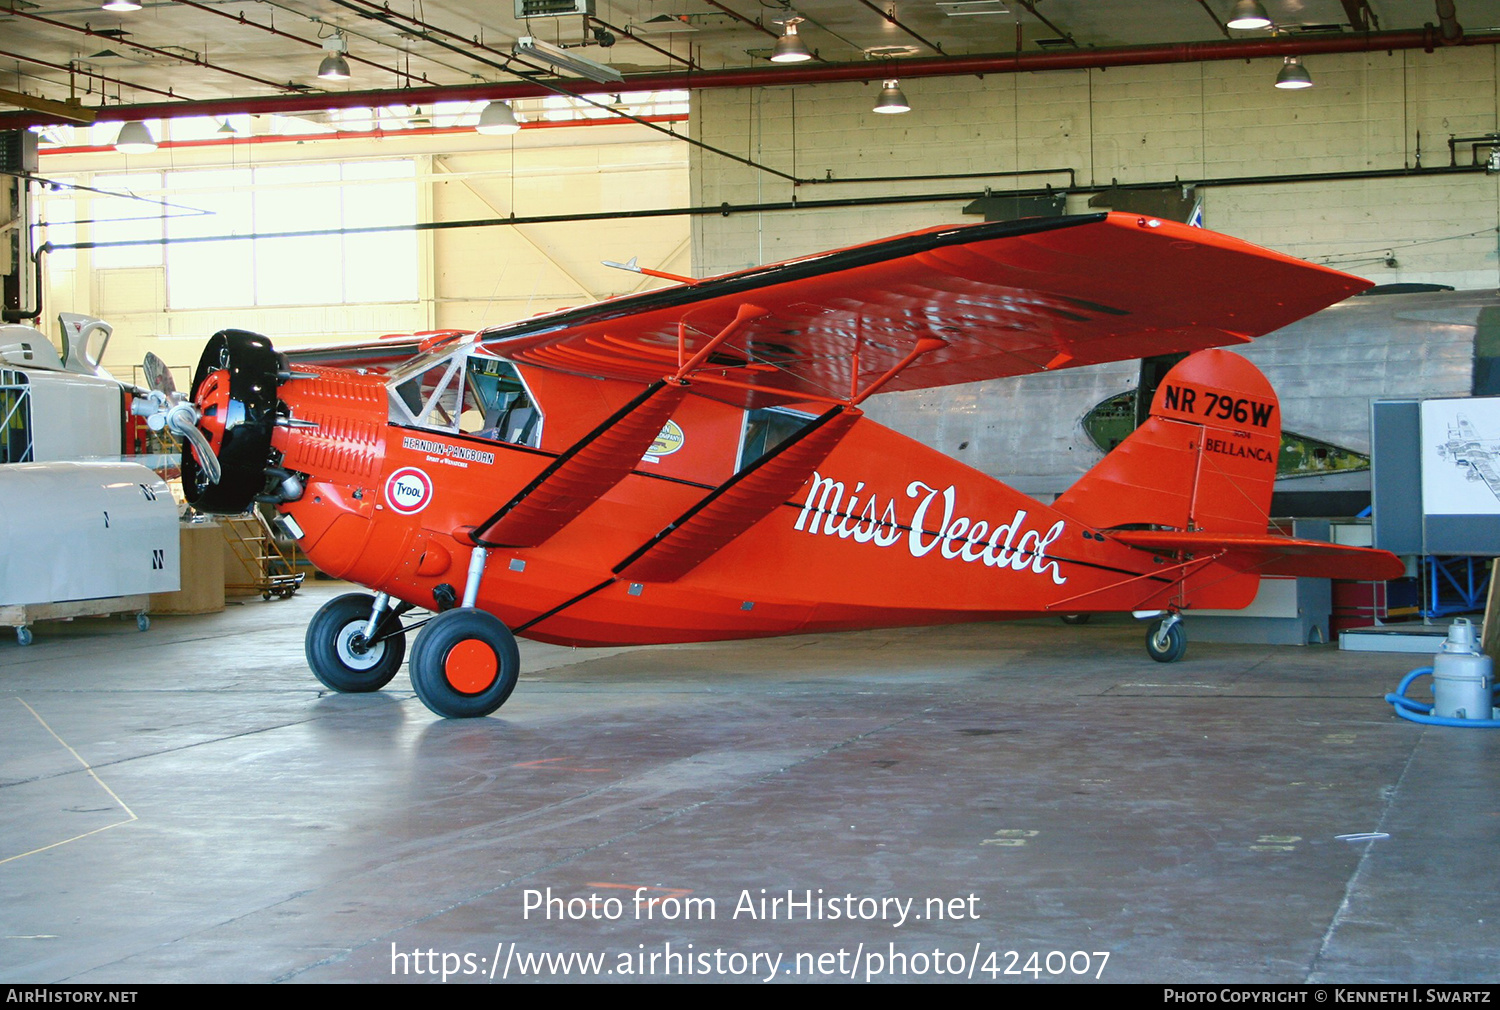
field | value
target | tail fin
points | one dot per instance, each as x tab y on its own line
1204	460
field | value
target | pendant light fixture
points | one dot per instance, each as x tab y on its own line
334	67
497	119
1248	14
790	48
1293	75
135	138
892	99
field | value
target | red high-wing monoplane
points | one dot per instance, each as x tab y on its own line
691	463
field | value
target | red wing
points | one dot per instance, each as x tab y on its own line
1007	298
379	355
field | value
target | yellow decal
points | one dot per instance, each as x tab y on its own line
668	442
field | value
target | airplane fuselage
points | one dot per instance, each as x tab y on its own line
885	531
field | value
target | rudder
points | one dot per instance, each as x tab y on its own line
1205	459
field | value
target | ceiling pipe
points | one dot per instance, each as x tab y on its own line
1452	31
80	71
864	71
741	18
1030	5
632	36
1217	23
532	73
1359	15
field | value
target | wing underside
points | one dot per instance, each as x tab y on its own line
978	302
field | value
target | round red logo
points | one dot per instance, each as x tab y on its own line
408	490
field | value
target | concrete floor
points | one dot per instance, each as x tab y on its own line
188	805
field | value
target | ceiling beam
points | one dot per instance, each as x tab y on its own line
69	111
1358	13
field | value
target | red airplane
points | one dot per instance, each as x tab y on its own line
691	463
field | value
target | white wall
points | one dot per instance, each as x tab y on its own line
467	278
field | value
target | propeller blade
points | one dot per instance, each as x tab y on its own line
158	376
201	449
182	418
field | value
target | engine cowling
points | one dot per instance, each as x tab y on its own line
235	391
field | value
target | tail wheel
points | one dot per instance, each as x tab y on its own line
235	389
464	664
336	648
1166	644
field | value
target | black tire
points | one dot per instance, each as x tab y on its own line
1074	618
464	663
1174	647
333	653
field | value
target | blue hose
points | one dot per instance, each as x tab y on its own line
1417	711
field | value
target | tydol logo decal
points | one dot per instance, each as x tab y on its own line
408	490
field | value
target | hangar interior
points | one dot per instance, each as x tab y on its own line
190	804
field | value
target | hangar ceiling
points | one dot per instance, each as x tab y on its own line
201	57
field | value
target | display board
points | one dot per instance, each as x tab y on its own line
1435	484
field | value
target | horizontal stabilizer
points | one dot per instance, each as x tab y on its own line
1267	554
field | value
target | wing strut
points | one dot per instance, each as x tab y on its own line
739	503
583	474
602	458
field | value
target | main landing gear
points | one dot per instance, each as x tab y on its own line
465	663
1165	640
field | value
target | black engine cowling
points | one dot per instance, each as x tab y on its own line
234	387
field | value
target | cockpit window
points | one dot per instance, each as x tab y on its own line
765	429
467	394
497	404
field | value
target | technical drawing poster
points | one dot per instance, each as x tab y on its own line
1461	457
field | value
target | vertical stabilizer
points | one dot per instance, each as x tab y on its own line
1205	459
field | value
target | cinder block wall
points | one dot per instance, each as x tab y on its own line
1132	125
1135	125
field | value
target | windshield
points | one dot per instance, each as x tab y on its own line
466	394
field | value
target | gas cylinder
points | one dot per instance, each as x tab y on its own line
1462	676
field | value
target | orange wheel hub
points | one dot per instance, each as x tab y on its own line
470	666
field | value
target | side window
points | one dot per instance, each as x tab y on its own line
765	429
497	404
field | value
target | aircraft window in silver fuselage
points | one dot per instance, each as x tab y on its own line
765	429
468	394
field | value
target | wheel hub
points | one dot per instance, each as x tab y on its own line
471	666
354	651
